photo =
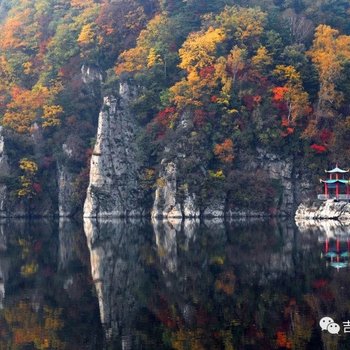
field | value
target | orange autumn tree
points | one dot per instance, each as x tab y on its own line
224	151
19	31
32	105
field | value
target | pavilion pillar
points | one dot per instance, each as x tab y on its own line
337	190
326	189
338	245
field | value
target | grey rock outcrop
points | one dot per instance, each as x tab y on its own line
166	203
329	209
90	74
171	200
66	179
215	209
294	188
295	184
113	189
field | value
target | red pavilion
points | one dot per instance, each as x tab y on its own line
337	186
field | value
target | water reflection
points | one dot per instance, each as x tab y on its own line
118	271
133	284
335	237
47	300
214	285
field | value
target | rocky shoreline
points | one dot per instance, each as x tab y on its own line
327	210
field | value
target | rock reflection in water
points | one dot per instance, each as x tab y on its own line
208	285
4	264
117	272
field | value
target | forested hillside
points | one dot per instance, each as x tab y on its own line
248	76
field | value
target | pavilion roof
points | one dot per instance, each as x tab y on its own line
346	182
337	170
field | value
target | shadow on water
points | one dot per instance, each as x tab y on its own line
133	284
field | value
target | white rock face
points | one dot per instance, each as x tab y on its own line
90	75
245	213
216	209
113	189
165	202
167	205
190	210
324	210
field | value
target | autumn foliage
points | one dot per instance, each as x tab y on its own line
319	149
224	151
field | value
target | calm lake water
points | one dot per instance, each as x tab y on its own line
190	285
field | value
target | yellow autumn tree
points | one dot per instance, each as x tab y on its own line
262	59
149	49
51	115
245	25
82	3
29	169
226	71
87	34
329	53
198	56
198	51
293	93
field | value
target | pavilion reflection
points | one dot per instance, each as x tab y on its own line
334	237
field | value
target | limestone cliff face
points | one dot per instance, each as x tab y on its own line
168	204
329	209
113	190
295	184
171	201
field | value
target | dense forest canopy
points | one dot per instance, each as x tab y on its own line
269	74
